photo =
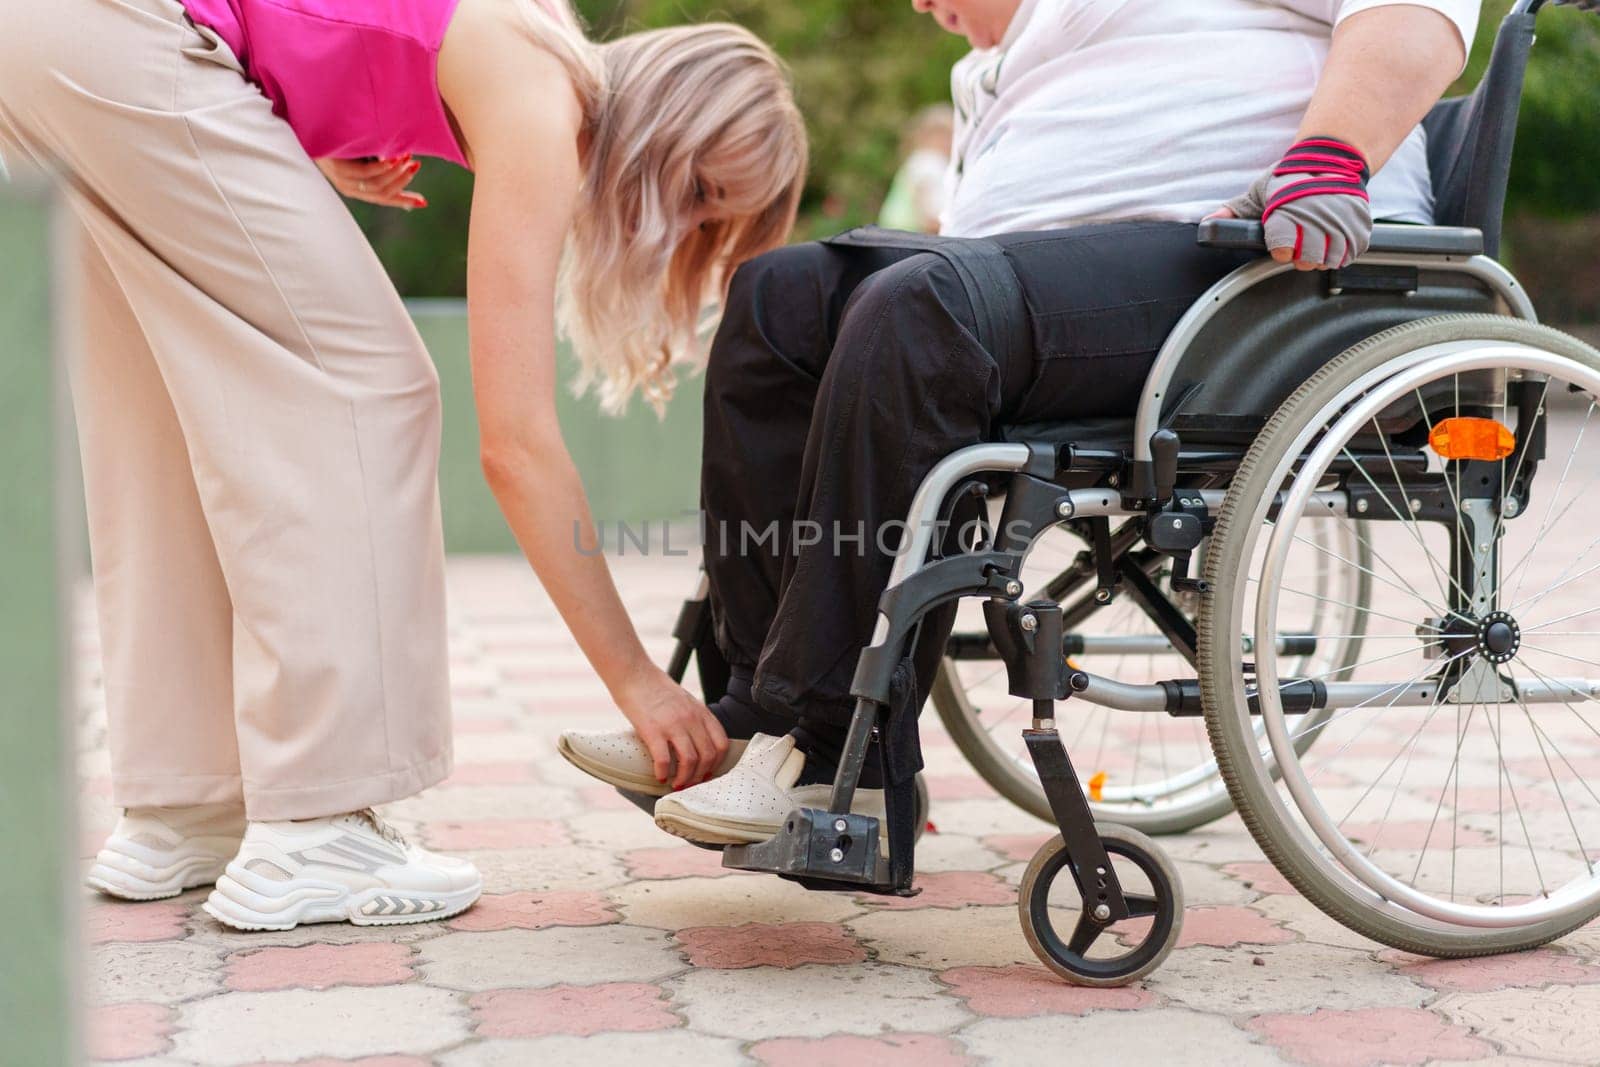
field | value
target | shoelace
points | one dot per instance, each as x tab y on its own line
383	829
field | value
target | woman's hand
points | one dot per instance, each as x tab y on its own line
382	182
685	740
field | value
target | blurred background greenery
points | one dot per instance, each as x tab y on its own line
863	68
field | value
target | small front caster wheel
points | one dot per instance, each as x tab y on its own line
1097	951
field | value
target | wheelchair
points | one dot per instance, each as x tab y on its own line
1346	523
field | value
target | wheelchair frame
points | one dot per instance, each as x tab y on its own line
836	849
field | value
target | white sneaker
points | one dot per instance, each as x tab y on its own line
750	802
156	853
348	868
618	758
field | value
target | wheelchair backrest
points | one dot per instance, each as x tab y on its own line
1470	138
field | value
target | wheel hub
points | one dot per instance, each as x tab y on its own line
1499	637
1496	637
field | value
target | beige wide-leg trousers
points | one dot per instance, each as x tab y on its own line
259	424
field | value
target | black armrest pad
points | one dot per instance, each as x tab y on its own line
1387	238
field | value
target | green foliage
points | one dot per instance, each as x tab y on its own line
863	67
1556	170
861	70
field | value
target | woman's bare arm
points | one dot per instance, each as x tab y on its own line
515	106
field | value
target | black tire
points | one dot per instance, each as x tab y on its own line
1033	901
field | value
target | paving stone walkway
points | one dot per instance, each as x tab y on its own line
600	940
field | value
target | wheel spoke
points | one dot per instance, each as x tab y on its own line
1455	811
1141	905
1433	709
1086	933
1355	528
1579	715
1544	524
1399	690
1407	588
1532	726
1496	729
1357	607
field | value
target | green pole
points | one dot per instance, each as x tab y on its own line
38	545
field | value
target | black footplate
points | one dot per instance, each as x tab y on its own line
820	850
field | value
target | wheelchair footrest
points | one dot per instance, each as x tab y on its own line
820	850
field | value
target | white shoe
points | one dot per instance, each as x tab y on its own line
619	758
348	868
750	802
156	853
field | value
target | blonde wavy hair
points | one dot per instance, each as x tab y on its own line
681	120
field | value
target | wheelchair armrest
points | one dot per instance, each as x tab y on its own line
1387	238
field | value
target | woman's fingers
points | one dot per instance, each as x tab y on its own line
706	733
387	190
683	747
381	182
655	742
358	170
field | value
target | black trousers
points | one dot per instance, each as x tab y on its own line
844	370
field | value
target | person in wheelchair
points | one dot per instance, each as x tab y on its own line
1091	139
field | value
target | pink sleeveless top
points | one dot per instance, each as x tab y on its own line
353	78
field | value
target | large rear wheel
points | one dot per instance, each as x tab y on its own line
1452	803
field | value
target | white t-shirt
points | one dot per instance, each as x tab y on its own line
1106	110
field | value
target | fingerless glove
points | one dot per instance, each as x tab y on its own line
1313	202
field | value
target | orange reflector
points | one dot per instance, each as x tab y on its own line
1469	438
1097	786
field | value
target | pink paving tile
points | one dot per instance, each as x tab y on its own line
1413	834
1541	967
129	1031
950	889
1018	990
1534	767
575	1010
1485	799
548	673
106	920
1262	877
894	1050
1220	926
1017	847
603	798
1368	1037
483	724
319	967
674	861
495	834
366	1061
535	911
520	772
785	945
958	787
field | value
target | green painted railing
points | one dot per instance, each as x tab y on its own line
634	467
38	531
